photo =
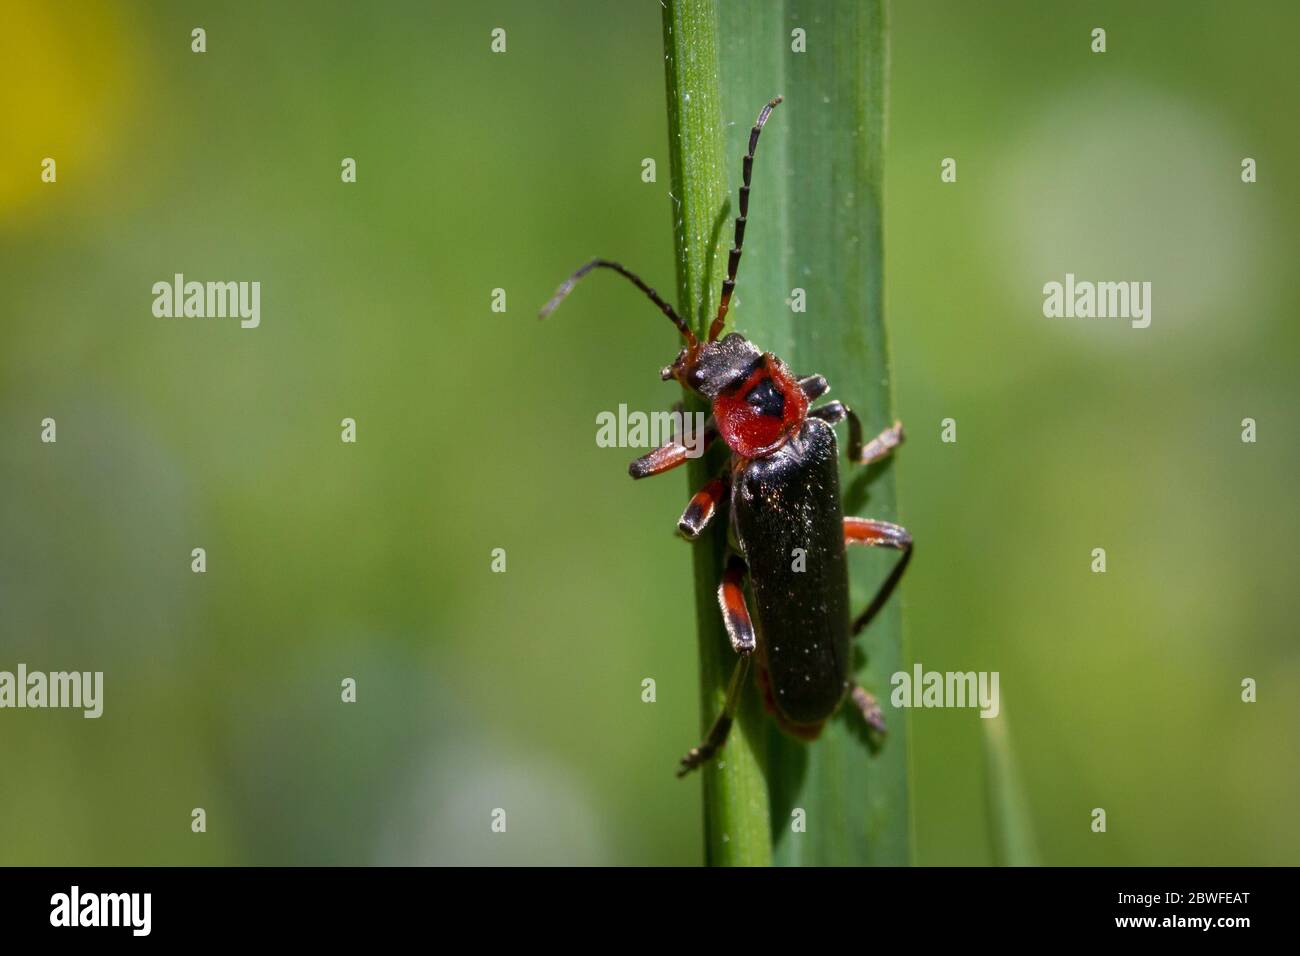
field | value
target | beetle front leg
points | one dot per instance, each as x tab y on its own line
814	386
874	450
671	453
880	534
740	628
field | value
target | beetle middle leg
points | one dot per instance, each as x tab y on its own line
869	708
740	628
702	507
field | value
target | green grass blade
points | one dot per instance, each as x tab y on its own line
1010	830
815	224
735	792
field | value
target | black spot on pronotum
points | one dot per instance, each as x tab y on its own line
767	399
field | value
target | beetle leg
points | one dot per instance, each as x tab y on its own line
878	447
664	458
832	412
884	535
740	628
876	533
722	725
701	509
735	613
814	386
874	450
869	707
671	453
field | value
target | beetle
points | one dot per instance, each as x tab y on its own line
781	484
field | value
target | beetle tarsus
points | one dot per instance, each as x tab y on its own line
876	449
694	758
869	707
859	454
880	446
722	725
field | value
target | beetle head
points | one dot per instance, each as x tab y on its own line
756	402
710	368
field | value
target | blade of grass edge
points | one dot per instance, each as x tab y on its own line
1011	833
736	814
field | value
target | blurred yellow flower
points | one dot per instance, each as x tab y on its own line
65	79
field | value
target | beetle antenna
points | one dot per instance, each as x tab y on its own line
733	260
567	286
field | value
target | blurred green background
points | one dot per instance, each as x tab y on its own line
476	431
